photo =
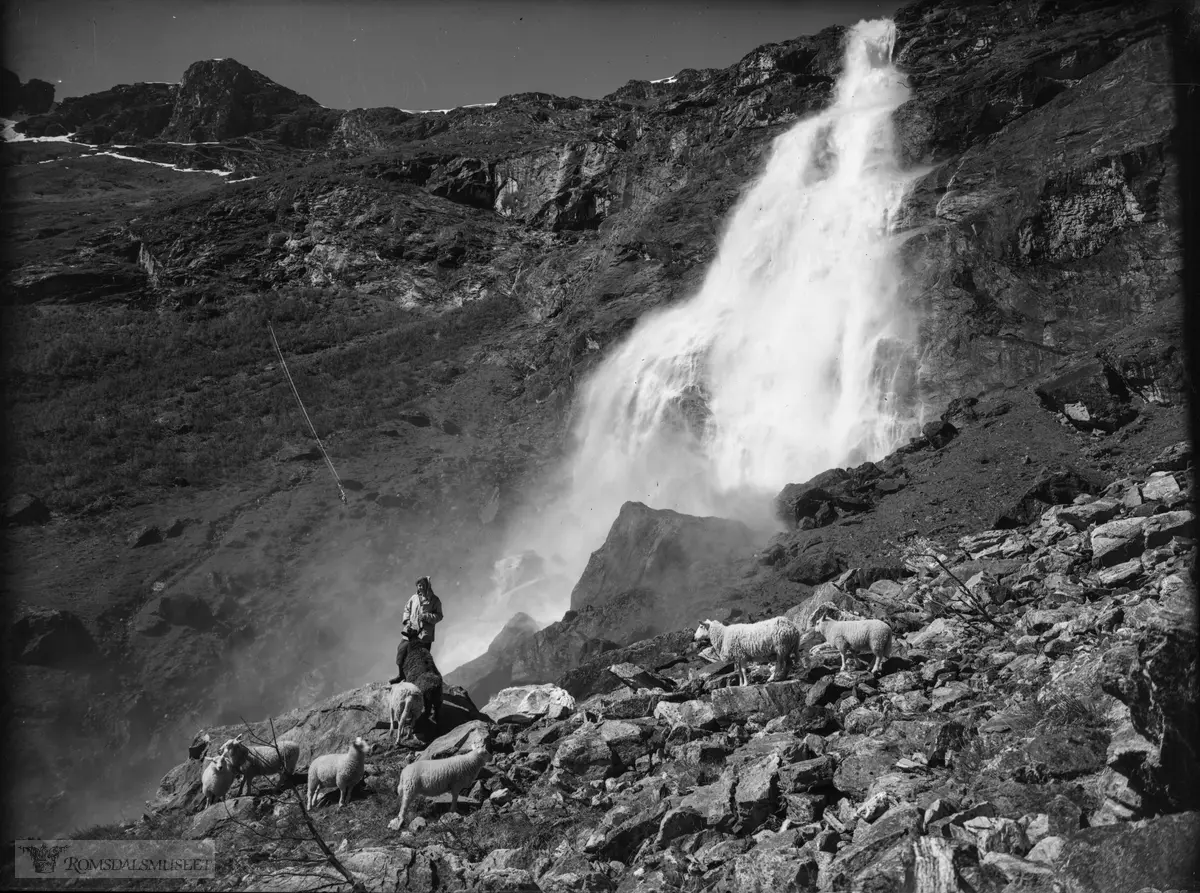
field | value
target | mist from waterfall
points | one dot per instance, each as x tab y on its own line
794	356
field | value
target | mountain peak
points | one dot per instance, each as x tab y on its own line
222	99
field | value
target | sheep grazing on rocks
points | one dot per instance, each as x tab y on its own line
261	759
217	779
430	778
340	770
853	636
405	706
742	643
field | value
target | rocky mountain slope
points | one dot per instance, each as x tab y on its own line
440	284
1034	730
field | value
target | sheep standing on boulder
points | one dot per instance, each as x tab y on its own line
742	643
851	637
430	778
340	770
403	708
261	759
217	779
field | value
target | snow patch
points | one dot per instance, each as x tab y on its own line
182	170
672	79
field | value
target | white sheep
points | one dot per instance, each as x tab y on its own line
405	707
429	778
340	770
217	778
852	636
745	642
261	759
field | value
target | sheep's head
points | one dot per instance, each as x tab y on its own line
362	747
702	632
812	637
235	750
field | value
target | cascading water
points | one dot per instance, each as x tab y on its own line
789	360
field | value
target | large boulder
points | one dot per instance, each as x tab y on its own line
525	704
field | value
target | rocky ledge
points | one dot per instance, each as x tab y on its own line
1033	730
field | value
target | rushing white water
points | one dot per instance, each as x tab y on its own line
791	359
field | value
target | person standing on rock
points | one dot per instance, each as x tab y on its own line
424	609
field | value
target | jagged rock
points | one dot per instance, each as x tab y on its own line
1176	457
1159	529
1083	516
23	509
993	835
712	803
1057	488
1155	853
1161	486
225	817
492	670
684	560
807	775
636	677
692	714
219	99
764	702
623	704
52	638
586	754
817	563
146	535
1117	541
525	704
1156	680
771	869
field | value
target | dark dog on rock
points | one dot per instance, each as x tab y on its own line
415	663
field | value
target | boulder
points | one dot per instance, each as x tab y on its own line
525	704
1117	541
738	703
1157	853
23	509
1059	487
636	677
586	754
52	638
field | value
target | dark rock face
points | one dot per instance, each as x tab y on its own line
681	559
52	638
126	113
25	509
1027	224
222	99
34	97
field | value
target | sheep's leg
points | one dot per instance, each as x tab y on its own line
343	796
403	811
454	801
312	790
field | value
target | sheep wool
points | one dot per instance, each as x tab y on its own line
404	706
852	637
430	778
743	643
261	759
217	779
340	770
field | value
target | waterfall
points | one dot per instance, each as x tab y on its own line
791	359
